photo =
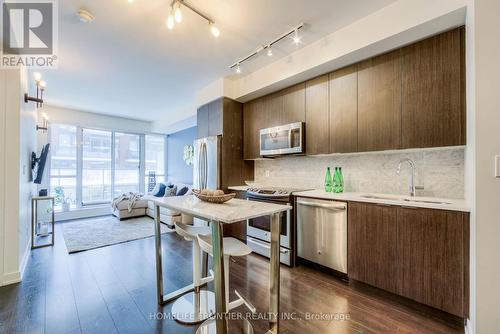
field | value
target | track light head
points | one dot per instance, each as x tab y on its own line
214	30
170	22
269	51
238	69
178	13
296	38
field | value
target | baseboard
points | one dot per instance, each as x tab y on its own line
26	257
17	276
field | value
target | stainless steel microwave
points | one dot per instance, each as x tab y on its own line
284	139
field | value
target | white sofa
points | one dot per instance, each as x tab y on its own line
146	207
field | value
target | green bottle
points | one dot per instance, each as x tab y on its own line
328	180
336	180
341	180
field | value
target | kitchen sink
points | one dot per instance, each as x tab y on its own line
405	199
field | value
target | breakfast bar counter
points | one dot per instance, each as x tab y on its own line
217	215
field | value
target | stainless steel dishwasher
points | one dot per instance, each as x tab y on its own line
322	232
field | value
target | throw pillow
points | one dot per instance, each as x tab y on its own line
170	190
183	191
159	190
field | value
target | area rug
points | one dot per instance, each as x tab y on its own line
104	231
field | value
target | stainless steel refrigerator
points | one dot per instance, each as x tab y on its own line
207	163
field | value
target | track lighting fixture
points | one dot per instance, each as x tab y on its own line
269	46
175	16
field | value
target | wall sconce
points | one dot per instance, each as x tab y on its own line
40	88
45	123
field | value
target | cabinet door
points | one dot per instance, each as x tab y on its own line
379	103
372	245
215	117
317	126
273	110
294	104
432	259
253	120
202	121
344	110
433	108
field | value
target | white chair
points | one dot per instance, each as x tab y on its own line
198	305
232	247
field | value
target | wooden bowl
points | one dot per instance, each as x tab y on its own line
213	199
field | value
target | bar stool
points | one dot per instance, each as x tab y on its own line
232	247
197	305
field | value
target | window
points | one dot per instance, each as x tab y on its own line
96	166
127	163
155	158
90	166
63	164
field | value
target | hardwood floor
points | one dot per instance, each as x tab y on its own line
112	290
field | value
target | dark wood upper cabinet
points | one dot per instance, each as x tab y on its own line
273	110
372	245
379	103
253	120
433	87
294	104
317	125
433	258
344	110
202	121
215	117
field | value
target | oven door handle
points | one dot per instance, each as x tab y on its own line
265	245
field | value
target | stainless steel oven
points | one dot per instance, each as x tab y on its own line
284	139
258	229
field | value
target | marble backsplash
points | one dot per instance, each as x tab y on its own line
439	171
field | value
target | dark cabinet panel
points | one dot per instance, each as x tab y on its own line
344	110
372	245
215	117
253	120
433	108
379	103
317	126
202	121
273	110
294	104
431	248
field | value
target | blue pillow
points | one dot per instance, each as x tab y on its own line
183	191
159	190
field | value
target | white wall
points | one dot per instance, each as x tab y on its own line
19	140
487	145
92	120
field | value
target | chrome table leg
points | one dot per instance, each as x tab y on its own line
274	275
219	284
159	266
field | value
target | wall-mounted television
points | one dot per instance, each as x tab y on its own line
38	164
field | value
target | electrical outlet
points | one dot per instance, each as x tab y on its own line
268	173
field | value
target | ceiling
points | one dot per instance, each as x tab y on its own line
126	62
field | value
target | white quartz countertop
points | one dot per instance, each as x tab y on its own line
400	200
238	188
232	211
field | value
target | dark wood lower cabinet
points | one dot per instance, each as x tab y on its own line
432	259
372	246
420	254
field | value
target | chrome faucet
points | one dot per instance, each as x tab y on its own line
411	163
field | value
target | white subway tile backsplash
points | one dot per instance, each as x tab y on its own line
440	171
